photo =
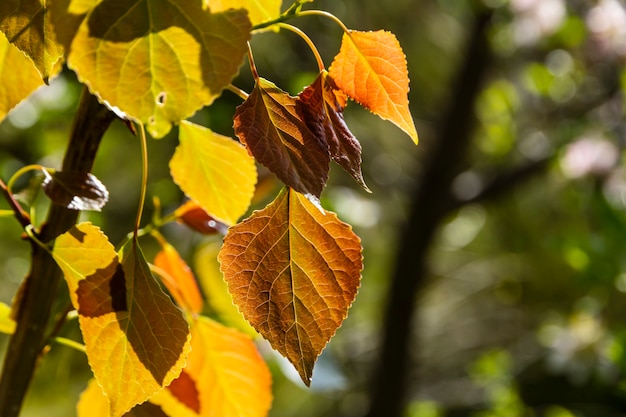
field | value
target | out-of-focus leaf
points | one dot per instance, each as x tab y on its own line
158	61
230	377
371	69
26	24
18	76
75	190
269	124
195	217
322	103
258	11
212	282
137	341
293	271
7	324
215	171
178	278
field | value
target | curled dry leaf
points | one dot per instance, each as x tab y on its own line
75	190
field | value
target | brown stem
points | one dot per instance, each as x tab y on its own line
35	300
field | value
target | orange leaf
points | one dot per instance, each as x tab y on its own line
195	217
322	103
178	278
293	272
225	376
137	341
269	124
371	69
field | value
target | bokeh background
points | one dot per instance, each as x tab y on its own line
506	224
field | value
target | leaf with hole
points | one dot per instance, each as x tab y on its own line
75	190
215	171
158	61
371	69
293	271
270	124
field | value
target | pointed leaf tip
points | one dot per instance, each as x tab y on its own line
371	69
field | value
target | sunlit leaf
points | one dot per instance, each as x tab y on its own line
93	403
136	339
293	272
269	124
371	69
158	61
18	76
258	11
322	103
212	282
26	24
7	324
178	278
215	171
230	377
75	190
195	217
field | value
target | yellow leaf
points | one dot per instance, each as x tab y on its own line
137	341
158	61
230	377
7	324
18	76
26	24
212	281
293	271
93	403
371	69
214	171
259	11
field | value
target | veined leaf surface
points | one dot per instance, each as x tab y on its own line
137	341
371	69
215	171
158	61
293	272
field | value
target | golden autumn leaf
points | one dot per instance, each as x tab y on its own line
93	403
293	271
371	69
215	171
158	61
18	76
225	376
137	341
7	324
26	24
178	278
258	11
275	133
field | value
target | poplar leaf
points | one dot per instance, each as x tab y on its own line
258	11
137	341
26	23
225	376
75	190
195	217
275	133
371	69
215	171
158	61
18	76
178	278
93	403
322	103
293	271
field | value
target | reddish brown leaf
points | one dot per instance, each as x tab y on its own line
293	271
269	124
194	216
322	104
75	190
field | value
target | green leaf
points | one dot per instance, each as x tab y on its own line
158	61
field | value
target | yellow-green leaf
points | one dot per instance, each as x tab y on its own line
93	403
259	11
293	271
18	76
212	282
225	376
137	341
215	171
158	61
26	24
7	324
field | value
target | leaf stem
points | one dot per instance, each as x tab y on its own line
299	32
238	91
20	172
255	73
291	12
70	343
328	15
144	176
17	209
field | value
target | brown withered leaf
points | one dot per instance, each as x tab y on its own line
293	271
322	104
269	124
75	190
